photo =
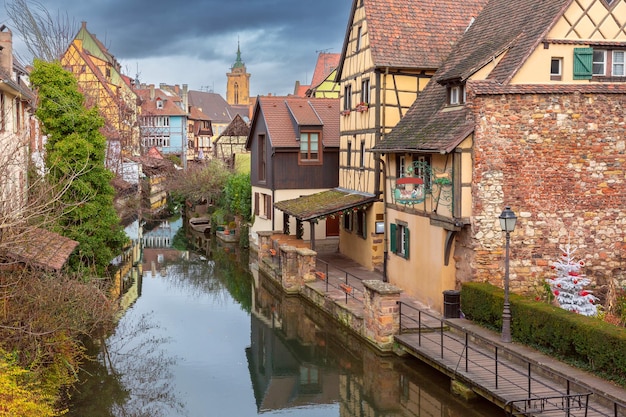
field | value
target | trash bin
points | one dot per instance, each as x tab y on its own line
451	304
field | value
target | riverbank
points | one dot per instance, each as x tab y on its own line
344	290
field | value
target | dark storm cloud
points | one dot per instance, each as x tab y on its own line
279	38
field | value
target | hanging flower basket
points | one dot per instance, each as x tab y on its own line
345	112
361	107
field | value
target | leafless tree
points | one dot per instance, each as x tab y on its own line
46	36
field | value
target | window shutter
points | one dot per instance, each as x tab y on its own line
583	63
256	204
407	239
392	238
364	226
268	208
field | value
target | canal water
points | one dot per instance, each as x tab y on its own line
204	334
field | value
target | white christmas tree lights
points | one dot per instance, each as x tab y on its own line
569	284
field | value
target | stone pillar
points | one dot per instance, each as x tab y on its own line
265	244
381	313
290	277
307	259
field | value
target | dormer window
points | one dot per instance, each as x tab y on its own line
159	103
456	95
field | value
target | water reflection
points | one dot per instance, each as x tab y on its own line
298	356
202	335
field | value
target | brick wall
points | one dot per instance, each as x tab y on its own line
559	161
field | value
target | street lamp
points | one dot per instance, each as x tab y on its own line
507	224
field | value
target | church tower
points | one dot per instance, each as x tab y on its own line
238	87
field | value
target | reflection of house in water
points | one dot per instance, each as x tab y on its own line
127	277
157	245
285	373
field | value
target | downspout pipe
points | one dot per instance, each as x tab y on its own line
386	239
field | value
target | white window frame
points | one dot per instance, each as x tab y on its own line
618	67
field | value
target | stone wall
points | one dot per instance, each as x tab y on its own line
559	161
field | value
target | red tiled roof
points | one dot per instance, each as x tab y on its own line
325	65
282	116
413	34
171	102
196	114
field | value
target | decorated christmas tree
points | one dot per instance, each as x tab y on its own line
569	284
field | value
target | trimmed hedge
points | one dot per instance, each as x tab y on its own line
600	345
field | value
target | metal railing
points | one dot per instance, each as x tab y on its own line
435	329
337	278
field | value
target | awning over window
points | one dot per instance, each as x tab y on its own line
42	249
324	203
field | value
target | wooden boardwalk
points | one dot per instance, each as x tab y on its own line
518	379
502	376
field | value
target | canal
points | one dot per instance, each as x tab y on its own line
203	333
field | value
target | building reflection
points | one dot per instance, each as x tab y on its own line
298	356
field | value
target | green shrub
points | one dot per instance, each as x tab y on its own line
600	346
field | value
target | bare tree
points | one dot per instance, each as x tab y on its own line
46	36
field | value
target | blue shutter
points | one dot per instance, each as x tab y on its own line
583	63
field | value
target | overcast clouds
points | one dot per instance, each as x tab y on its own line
195	42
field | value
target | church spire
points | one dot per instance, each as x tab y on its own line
238	62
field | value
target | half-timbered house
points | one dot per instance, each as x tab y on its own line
391	50
526	113
101	81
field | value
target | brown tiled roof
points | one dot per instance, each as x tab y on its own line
411	33
324	203
238	127
196	114
213	105
427	127
282	115
503	25
43	249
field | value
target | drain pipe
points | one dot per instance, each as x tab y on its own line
385	240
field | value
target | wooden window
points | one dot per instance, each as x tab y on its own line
362	155
399	239
268	206
361	225
456	95
556	65
347	221
583	63
310	147
347	97
618	69
262	162
257	211
400	165
599	62
349	154
365	91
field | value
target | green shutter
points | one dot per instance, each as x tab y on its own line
583	63
392	238
406	243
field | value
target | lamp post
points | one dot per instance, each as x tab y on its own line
507	224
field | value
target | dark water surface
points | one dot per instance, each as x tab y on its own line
204	336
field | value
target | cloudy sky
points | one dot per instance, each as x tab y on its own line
194	42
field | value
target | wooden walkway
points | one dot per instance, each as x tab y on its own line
494	371
521	380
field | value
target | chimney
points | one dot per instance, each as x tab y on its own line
151	92
185	97
6	50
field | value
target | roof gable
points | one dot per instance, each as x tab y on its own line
283	116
